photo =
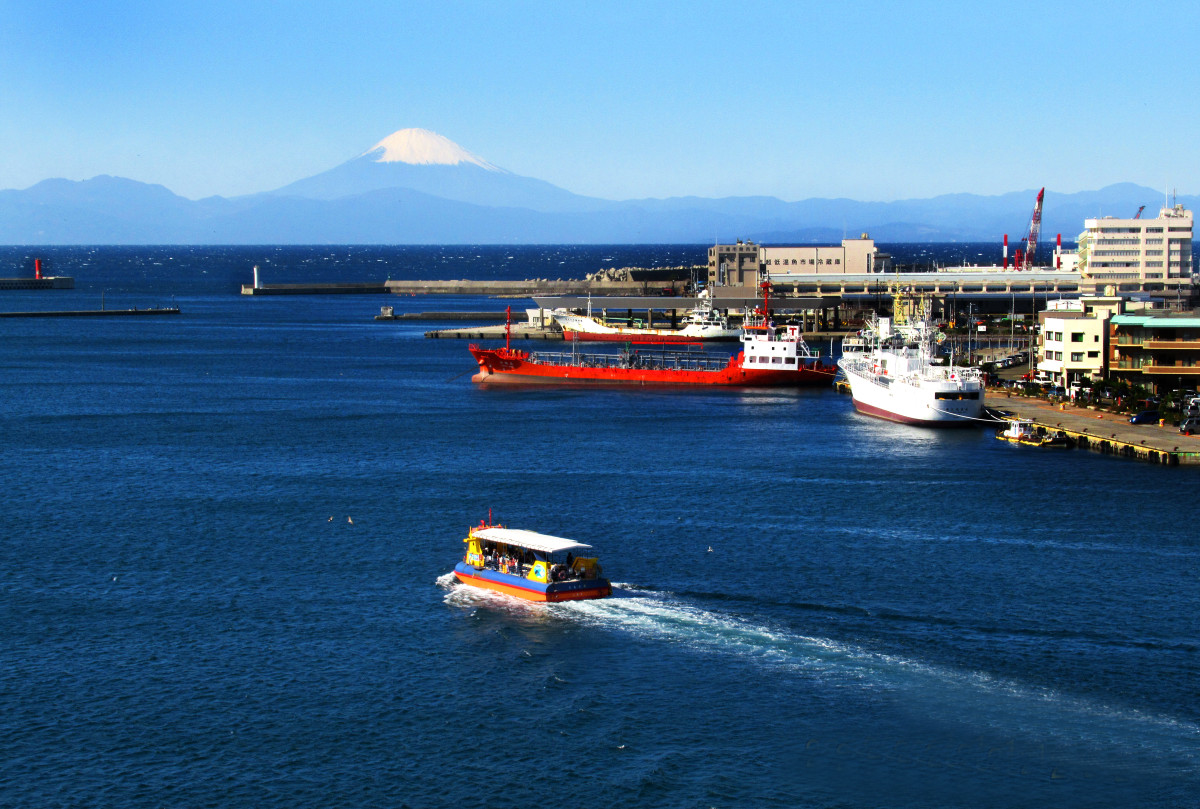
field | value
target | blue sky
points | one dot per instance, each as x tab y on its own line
621	100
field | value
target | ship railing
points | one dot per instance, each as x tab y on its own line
649	360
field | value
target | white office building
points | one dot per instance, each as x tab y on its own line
1145	251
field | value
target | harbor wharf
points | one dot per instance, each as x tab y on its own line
1106	433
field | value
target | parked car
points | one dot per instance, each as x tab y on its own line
1145	417
1190	425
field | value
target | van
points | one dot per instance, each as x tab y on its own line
1145	417
1190	425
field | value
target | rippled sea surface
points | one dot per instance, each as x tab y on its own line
227	538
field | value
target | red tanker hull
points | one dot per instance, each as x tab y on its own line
504	367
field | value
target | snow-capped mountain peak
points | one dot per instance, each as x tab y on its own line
422	147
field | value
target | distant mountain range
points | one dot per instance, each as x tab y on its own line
417	187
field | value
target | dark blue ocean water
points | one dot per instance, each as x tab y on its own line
889	617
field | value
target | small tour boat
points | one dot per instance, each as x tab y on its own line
525	564
1022	431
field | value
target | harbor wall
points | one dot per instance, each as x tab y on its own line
52	282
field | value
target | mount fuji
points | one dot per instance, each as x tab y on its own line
425	161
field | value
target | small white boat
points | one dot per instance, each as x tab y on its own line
701	323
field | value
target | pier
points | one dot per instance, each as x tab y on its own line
50	282
369	288
1106	433
172	310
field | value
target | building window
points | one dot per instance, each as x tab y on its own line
1093	355
1076	337
1076	356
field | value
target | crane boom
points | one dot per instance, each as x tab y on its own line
1035	229
1138	215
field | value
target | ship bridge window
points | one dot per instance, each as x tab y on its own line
955	394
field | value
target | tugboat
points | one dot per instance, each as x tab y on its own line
770	357
528	565
1022	431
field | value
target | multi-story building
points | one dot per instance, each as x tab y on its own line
739	264
1073	340
733	265
1157	351
1150	253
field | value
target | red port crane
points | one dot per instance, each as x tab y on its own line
1035	228
1138	215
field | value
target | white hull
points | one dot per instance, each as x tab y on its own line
894	378
582	324
915	399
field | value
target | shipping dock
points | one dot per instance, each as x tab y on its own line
1106	433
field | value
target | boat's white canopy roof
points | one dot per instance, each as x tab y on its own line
528	539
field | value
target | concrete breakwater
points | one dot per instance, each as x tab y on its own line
373	288
158	310
502	289
636	281
523	289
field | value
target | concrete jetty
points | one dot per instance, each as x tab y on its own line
44	282
96	312
520	331
633	281
370	288
1106	433
389	313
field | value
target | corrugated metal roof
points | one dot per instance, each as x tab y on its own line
1156	322
528	539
